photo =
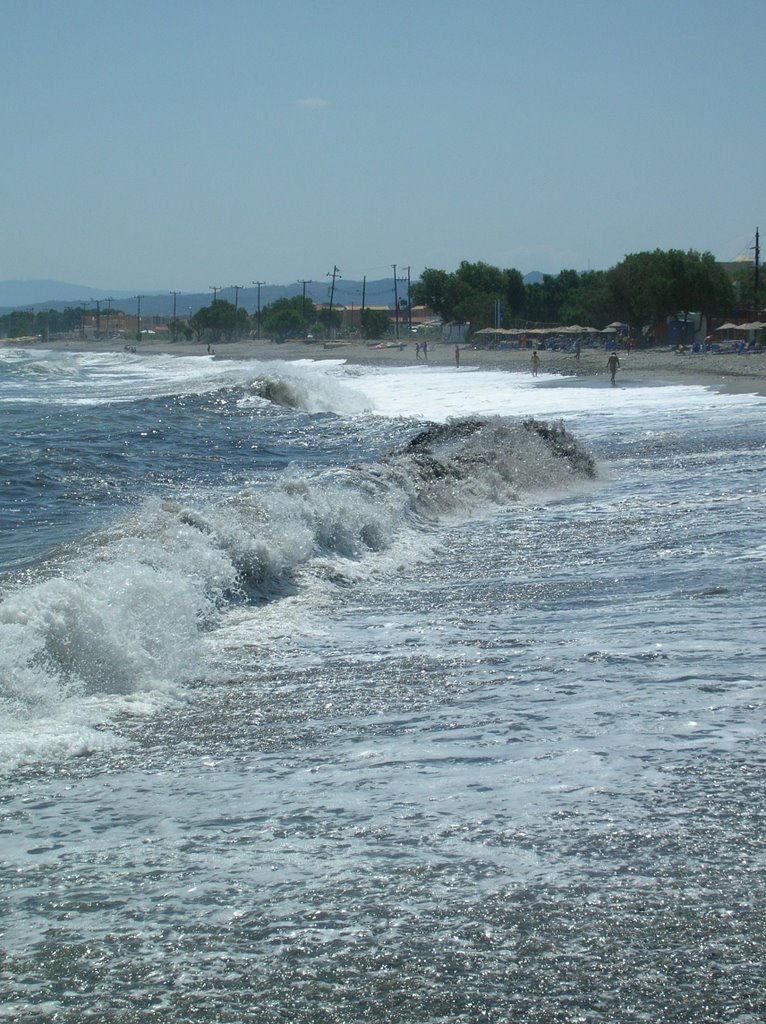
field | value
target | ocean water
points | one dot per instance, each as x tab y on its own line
337	694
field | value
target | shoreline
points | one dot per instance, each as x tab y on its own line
728	372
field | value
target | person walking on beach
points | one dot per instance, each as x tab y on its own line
457	356
425	349
535	363
417	350
613	365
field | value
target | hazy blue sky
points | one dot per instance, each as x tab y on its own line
178	144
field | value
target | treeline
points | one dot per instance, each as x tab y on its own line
223	321
294	317
219	322
23	323
642	290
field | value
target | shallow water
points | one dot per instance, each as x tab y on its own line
366	735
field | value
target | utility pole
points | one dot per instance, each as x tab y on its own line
236	288
396	300
175	321
138	317
258	313
409	305
364	290
108	314
214	288
303	305
335	273
98	316
757	267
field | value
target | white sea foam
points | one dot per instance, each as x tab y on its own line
438	393
127	611
523	727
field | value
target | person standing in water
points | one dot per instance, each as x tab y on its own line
613	365
535	363
457	355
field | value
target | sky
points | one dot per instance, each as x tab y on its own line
185	144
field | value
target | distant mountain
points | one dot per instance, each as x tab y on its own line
43	293
39	295
57	295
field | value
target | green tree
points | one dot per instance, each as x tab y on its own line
649	286
375	323
514	292
329	319
471	293
572	297
220	321
285	317
21	323
543	301
480	278
743	282
706	287
434	289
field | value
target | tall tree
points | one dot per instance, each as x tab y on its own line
650	286
470	294
375	322
435	290
288	317
219	321
513	291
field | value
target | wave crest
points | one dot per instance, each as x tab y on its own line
127	610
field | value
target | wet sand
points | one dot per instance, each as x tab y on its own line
745	373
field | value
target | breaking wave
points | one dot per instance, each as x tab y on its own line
126	611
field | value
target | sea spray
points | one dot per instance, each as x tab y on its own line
125	610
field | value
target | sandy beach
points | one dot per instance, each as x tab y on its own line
745	373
